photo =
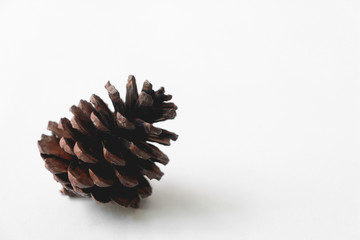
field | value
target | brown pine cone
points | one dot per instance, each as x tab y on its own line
105	154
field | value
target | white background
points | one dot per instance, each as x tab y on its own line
269	115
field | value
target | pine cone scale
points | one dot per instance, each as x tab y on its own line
56	165
102	178
100	195
79	175
131	94
113	158
62	178
114	95
67	145
86	107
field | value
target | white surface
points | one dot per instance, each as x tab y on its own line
269	115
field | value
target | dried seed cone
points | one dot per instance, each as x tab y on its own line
107	155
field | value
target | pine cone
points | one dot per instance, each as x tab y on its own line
106	155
